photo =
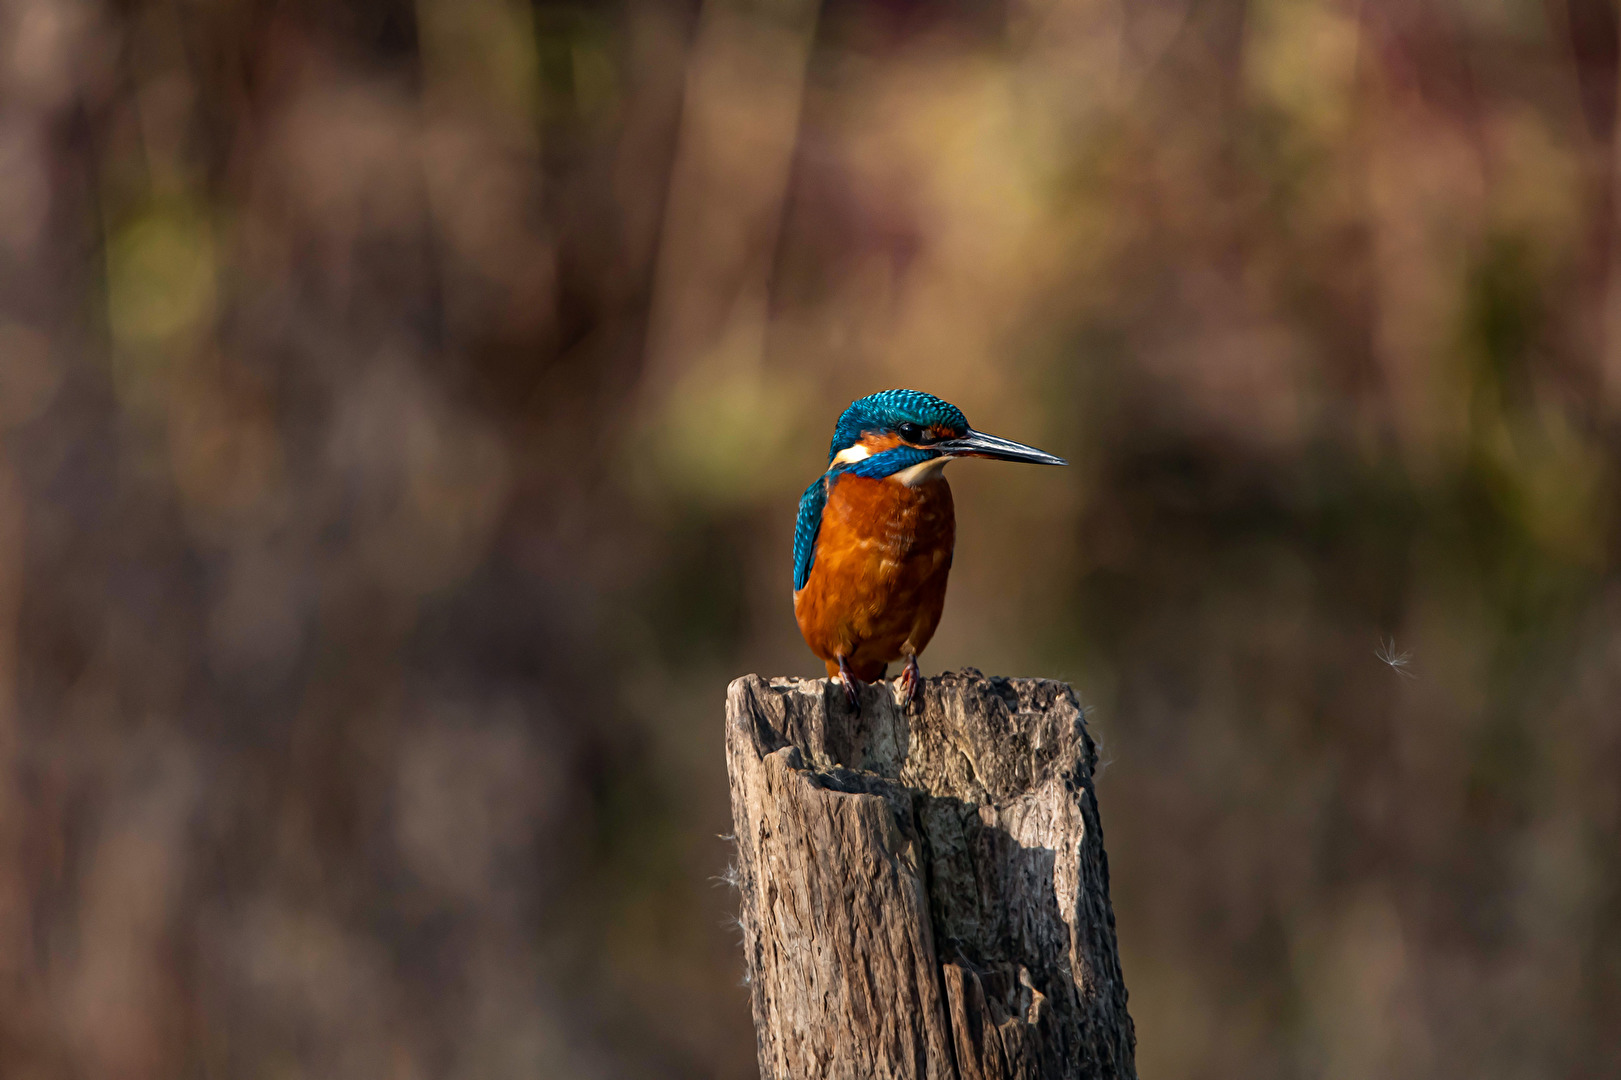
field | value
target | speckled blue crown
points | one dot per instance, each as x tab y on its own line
888	409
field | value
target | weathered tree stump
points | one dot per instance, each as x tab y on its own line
925	892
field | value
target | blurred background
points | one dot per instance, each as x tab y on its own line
403	410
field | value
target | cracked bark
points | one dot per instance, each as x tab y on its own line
925	894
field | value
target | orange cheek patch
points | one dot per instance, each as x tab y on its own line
878	443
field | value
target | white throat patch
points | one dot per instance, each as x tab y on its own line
920	473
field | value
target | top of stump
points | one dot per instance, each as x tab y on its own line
969	736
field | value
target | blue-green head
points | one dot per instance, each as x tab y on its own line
897	414
904	434
894	430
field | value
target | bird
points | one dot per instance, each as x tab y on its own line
874	536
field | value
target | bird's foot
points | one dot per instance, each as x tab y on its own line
910	679
852	688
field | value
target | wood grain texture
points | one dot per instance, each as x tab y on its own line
925	894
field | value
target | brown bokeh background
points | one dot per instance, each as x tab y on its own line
403	408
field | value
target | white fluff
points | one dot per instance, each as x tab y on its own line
920	473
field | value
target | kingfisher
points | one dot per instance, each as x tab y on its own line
872	546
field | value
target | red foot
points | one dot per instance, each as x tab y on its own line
910	678
852	688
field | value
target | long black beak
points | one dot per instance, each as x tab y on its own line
979	444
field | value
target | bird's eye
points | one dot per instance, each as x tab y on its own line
910	432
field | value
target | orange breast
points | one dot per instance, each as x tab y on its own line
878	584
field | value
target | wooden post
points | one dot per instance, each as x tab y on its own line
924	893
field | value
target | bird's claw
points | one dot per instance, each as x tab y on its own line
909	680
852	688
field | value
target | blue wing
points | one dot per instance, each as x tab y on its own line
806	528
